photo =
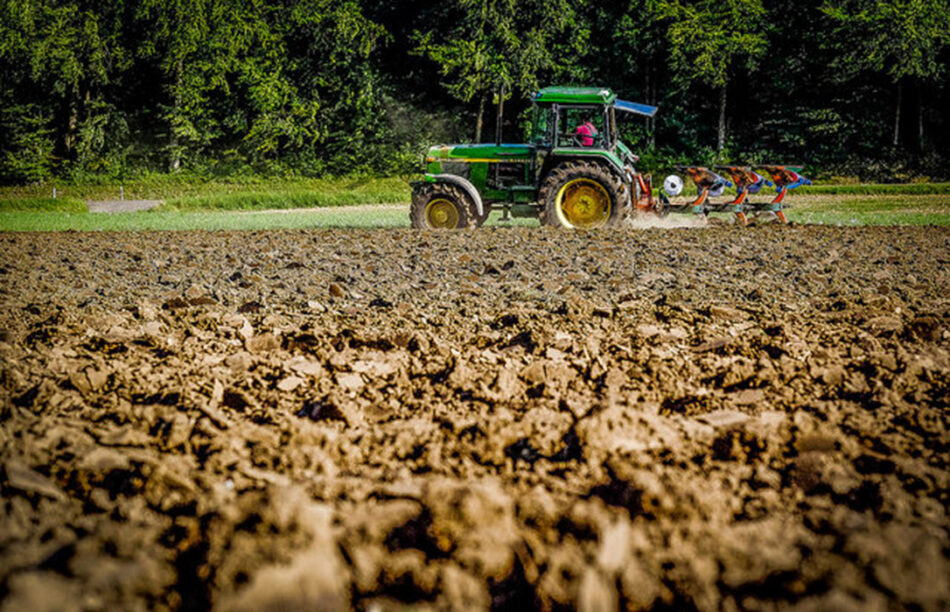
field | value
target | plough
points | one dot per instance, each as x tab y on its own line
710	184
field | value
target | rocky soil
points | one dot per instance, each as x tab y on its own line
710	419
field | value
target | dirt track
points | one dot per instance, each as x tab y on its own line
667	419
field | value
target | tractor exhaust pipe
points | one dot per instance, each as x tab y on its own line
501	113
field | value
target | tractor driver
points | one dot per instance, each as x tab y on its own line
585	133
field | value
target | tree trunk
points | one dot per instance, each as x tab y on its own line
174	162
721	139
651	124
655	96
920	117
72	120
480	119
500	119
897	114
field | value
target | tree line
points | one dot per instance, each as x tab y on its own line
311	87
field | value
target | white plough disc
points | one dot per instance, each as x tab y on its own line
673	185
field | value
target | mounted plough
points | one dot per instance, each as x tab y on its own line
747	180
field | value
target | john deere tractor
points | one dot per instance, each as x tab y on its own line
573	173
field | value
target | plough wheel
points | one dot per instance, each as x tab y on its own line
441	206
581	195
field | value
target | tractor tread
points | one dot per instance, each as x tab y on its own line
423	194
573	169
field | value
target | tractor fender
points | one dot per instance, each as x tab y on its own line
466	186
611	165
627	179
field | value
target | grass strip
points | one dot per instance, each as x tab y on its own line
820	209
383	217
172	187
815	217
875	189
217	220
362	217
285	199
66	205
184	194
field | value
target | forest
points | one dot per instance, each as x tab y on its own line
100	91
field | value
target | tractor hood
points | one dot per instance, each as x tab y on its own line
633	107
487	152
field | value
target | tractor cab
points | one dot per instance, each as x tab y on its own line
558	113
573	117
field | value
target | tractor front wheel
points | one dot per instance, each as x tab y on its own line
581	195
441	206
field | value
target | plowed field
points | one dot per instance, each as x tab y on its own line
512	418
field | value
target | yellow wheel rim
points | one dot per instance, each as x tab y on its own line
442	213
583	203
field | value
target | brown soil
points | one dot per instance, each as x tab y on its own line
681	419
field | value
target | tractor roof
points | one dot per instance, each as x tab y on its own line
576	95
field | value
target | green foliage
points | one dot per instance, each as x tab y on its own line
901	38
494	43
710	38
114	91
27	152
57	60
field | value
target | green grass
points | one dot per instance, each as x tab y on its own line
184	192
61	214
380	217
875	189
148	221
375	192
67	205
879	218
182	188
872	210
362	217
874	204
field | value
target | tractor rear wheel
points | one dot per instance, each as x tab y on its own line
441	206
581	195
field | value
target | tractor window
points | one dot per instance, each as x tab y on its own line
582	126
542	125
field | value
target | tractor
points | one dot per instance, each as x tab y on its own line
574	172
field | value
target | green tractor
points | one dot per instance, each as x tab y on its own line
573	173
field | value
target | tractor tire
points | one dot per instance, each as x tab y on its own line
441	206
582	195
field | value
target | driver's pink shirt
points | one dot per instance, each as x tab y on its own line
586	131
